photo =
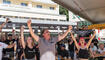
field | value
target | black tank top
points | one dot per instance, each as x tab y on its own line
83	53
29	52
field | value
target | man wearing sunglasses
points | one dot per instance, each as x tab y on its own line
46	42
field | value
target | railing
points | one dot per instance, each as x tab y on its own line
19	20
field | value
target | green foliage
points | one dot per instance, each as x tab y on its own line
64	11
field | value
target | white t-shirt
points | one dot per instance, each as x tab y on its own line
101	51
2	45
94	48
66	44
47	48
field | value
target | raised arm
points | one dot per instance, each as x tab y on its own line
2	25
31	31
89	42
13	34
22	36
98	55
60	37
11	45
75	41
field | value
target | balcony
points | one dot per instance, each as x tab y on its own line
20	8
23	11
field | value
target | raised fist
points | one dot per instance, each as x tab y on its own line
29	22
70	27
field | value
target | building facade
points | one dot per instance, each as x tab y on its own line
41	12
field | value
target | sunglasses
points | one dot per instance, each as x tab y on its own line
46	32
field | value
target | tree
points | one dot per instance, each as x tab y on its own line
64	11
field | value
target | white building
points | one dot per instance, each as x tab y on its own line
40	11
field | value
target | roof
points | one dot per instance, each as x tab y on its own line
43	1
97	26
91	10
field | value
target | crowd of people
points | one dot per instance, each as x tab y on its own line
84	46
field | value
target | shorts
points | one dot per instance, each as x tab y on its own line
11	54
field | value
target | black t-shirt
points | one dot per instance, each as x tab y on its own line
83	53
64	53
58	48
10	42
29	52
71	47
9	51
19	51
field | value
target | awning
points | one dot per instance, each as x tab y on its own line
97	26
91	10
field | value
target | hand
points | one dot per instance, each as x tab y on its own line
94	32
29	22
7	20
12	45
22	27
13	30
92	56
70	27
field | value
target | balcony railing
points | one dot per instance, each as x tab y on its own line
35	21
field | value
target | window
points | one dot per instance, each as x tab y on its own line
24	4
39	6
6	2
51	8
54	19
63	20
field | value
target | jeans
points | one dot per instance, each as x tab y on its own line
72	54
